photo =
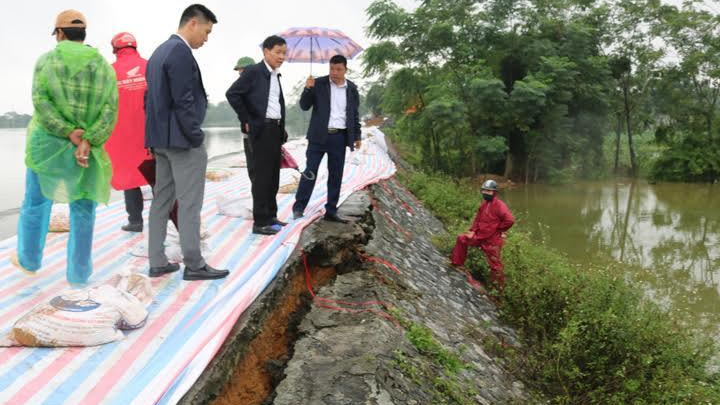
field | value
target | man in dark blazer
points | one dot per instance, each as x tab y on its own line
334	125
175	106
258	101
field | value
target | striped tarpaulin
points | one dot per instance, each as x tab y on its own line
188	321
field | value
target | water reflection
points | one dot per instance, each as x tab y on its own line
666	235
221	141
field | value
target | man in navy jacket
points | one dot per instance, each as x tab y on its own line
175	105
334	125
258	101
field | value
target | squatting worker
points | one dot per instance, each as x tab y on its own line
488	232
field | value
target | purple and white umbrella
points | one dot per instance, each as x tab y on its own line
317	44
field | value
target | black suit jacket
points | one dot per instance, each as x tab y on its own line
248	96
318	98
175	99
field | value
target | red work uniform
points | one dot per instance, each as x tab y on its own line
126	145
492	219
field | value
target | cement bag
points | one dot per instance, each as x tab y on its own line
238	162
172	249
86	317
174	252
174	237
291	187
60	218
234	207
217	174
146	192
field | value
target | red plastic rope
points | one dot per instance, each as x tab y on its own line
389	219
387	188
316	299
369	258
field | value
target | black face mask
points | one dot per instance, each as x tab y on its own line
488	197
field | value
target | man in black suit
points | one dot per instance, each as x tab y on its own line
257	99
175	106
334	125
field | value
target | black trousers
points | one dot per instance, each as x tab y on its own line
249	158
334	147
134	205
266	151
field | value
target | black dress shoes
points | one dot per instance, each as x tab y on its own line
204	273
159	271
132	227
276	221
335	218
266	230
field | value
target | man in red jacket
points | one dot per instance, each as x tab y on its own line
126	145
493	219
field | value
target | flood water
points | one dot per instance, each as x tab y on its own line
218	141
666	237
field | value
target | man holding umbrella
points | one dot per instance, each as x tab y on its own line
334	125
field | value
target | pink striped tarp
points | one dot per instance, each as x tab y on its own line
188	320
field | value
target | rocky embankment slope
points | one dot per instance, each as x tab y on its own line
391	322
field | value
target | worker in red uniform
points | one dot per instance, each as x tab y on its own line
133	165
126	145
488	232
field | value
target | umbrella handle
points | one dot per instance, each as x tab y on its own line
307	174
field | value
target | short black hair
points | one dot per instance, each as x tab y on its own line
197	11
272	40
338	59
74	33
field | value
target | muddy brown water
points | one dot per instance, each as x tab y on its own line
666	236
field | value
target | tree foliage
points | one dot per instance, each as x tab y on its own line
531	89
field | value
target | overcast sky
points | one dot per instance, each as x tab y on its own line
242	25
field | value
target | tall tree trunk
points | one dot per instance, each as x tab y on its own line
618	133
436	150
709	120
508	165
633	159
527	170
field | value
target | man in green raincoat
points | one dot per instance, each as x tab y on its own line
75	99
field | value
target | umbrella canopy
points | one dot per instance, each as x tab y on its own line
317	44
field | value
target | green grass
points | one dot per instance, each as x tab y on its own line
441	373
591	338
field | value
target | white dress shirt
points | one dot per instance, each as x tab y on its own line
338	104
273	108
184	40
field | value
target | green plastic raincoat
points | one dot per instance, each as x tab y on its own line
73	87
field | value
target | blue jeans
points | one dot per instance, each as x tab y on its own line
33	228
334	147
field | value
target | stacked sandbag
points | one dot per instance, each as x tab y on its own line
59	218
217	174
85	317
172	244
234	207
290	188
